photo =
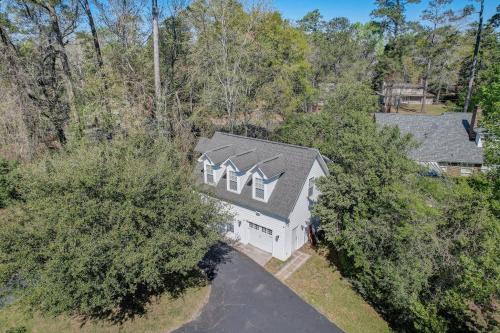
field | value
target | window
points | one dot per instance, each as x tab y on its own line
262	229
233	181
267	231
259	188
230	227
210	173
311	186
253	225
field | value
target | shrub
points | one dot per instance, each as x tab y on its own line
7	181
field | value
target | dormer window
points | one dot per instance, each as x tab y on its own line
232	180
259	188
210	174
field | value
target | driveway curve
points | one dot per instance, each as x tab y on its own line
245	298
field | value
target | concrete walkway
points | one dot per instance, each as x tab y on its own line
298	259
257	255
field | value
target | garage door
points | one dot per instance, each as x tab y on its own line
260	237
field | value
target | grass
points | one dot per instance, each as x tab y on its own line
431	110
274	265
163	315
322	286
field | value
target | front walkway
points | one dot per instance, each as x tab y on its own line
298	259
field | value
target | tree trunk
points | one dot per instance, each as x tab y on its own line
86	6
68	81
426	82
156	54
474	59
388	104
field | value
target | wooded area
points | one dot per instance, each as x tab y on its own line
101	103
75	70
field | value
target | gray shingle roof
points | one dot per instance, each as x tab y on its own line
289	162
442	138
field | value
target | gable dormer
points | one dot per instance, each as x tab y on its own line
265	176
213	168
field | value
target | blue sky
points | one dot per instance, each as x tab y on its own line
359	10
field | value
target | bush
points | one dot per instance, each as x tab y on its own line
101	228
7	181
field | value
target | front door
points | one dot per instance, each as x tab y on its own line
260	237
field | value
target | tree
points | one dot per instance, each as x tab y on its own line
392	15
421	249
156	51
477	44
60	49
101	228
438	37
97	46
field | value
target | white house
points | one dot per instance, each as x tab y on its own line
268	186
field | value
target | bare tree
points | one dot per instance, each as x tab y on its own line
97	47
61	51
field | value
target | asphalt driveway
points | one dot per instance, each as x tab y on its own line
246	298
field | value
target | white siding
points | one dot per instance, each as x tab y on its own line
241	231
301	213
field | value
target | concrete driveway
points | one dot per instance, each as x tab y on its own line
246	298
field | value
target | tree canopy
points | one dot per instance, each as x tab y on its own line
99	229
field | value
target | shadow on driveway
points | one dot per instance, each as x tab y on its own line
246	298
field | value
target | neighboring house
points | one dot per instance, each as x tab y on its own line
404	93
449	143
269	188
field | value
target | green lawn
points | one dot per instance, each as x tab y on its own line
431	110
274	265
322	286
163	315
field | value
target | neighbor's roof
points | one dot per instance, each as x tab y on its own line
442	138
288	162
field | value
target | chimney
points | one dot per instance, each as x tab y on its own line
474	121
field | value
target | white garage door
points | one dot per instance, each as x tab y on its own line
260	237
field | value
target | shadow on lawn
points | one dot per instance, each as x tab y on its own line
174	285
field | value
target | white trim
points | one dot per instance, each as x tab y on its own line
254	187
228	181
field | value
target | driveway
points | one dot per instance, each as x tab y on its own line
246	298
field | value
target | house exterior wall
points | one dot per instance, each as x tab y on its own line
410	99
241	218
455	169
301	213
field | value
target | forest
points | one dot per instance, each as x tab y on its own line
102	102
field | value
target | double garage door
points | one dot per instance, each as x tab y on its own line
260	237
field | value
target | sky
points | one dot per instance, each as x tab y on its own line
359	10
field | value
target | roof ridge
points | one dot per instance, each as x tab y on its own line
272	158
267	141
217	148
244	152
